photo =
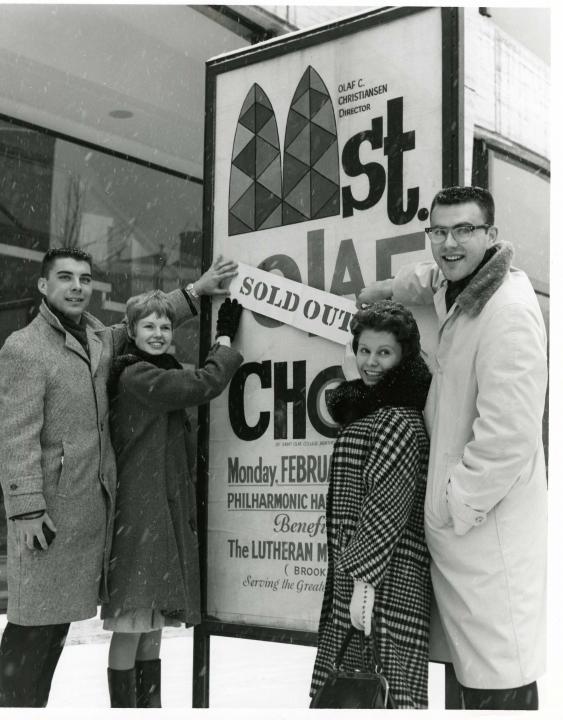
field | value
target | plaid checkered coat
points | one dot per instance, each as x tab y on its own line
375	528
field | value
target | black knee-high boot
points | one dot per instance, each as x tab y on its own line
122	688
28	657
148	683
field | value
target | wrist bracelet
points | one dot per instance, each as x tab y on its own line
193	292
190	302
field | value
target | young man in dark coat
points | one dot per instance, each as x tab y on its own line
57	467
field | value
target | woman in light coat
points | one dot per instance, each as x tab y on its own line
378	565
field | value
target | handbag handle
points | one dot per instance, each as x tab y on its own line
370	652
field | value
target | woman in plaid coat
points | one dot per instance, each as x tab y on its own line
378	567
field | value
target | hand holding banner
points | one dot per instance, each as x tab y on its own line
293	303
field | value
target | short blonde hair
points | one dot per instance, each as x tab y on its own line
140	306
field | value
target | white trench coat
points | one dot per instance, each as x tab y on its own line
486	501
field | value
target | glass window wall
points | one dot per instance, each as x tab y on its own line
141	226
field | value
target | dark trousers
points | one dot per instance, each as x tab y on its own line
519	698
28	657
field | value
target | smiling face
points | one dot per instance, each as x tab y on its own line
378	352
457	260
153	334
68	287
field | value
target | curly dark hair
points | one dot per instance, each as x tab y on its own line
457	195
63	252
388	316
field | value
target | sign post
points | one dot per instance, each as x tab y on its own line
324	149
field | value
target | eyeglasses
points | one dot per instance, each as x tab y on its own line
461	233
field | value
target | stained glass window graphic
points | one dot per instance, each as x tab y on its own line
311	175
255	183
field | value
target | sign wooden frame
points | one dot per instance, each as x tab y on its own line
452	173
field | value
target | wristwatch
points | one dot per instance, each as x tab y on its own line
192	291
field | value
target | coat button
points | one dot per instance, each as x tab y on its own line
13	486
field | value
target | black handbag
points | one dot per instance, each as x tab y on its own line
365	687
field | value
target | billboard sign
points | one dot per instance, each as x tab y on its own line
324	151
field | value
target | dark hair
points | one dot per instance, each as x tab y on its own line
391	317
153	301
457	195
63	252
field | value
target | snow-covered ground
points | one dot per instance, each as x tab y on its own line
244	674
252	679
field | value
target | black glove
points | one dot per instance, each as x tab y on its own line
229	318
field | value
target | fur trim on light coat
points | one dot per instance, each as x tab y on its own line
487	281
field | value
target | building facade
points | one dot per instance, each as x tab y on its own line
102	113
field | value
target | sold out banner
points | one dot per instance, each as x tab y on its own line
325	152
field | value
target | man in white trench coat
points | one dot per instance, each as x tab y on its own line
486	499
